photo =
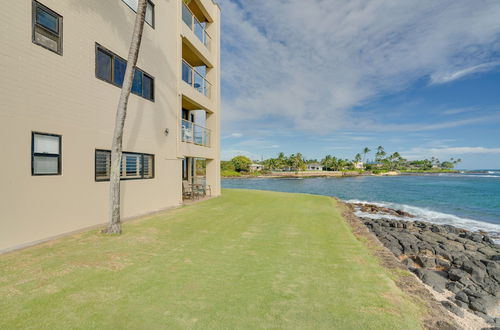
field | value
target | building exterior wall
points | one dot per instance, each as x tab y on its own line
42	91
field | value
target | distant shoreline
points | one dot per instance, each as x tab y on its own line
333	174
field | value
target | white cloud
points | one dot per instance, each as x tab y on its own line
227	154
419	153
457	111
441	78
421	127
466	150
256	143
305	64
232	136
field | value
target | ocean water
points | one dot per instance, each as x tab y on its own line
466	200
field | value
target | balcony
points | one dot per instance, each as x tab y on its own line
196	134
195	79
196	26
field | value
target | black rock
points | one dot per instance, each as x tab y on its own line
456	274
488	240
478	305
425	262
465	281
493	269
478	238
454	287
478	275
461	304
461	296
490	286
452	308
408	262
445	257
433	278
443	263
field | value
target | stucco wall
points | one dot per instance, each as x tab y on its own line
44	92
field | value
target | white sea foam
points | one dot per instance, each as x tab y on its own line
423	214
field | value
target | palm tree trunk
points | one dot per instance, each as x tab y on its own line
121	113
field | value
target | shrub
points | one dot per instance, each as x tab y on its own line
226	165
229	173
241	163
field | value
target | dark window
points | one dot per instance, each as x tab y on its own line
137	83
185	169
102	164
147	85
133	165
119	71
47	28
111	68
45	154
150	11
103	65
46	19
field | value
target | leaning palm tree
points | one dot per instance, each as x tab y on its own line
366	151
380	154
115	226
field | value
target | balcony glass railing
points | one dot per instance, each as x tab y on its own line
195	79
195	25
193	133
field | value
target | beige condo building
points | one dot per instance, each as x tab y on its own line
62	64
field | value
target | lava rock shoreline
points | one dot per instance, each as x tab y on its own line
447	258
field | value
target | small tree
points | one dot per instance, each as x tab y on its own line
447	165
241	163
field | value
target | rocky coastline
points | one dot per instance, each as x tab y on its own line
463	265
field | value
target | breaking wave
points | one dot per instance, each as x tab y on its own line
422	214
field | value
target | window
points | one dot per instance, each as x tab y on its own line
45	154
147	87
150	10
137	82
119	71
111	68
47	28
104	64
133	165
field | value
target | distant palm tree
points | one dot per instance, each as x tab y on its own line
366	151
357	158
380	153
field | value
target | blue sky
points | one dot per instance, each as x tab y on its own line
332	76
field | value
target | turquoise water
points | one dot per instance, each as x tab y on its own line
471	201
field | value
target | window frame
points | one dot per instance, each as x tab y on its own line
34	154
153	23
125	178
112	81
34	6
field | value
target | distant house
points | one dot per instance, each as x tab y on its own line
256	167
314	167
359	165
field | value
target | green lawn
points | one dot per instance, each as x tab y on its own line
248	259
